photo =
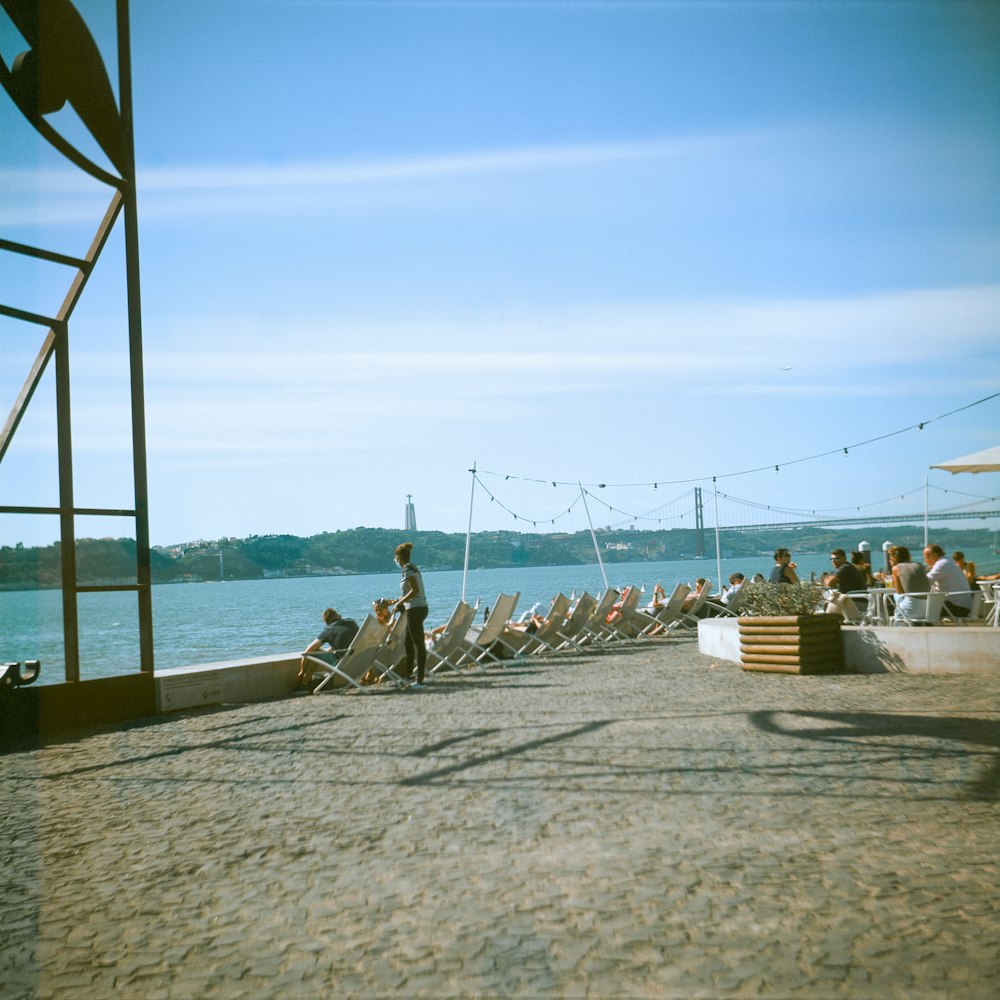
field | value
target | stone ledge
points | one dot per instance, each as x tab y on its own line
947	649
258	678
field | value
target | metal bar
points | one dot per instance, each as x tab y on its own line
95	511
27	317
96	246
27	391
67	535
65	311
50	255
97	589
144	573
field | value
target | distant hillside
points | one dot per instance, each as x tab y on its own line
369	550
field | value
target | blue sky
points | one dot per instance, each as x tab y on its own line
609	242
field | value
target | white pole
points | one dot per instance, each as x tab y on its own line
926	543
468	534
718	551
592	535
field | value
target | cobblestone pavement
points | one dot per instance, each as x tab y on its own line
635	824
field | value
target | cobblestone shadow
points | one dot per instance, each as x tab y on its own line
899	731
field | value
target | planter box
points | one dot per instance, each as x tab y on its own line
793	644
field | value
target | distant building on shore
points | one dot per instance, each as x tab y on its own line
410	514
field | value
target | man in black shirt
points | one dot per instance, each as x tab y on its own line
845	577
337	634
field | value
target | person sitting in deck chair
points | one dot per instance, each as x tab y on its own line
337	634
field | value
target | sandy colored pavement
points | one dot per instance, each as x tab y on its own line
634	824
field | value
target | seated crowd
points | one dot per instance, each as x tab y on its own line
849	581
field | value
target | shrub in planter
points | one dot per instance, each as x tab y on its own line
782	631
781	599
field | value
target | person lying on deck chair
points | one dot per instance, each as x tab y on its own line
337	634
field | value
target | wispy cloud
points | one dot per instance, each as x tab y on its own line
380	171
353	173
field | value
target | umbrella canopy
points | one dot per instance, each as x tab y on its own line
981	461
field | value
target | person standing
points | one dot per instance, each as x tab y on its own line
412	600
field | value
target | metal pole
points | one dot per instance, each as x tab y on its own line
926	542
67	528
592	535
468	533
143	563
718	550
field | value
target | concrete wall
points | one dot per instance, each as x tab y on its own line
946	649
227	682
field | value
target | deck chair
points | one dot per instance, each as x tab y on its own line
689	619
447	652
547	635
620	630
575	623
355	662
392	653
666	614
477	649
594	625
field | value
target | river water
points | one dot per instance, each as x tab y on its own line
207	622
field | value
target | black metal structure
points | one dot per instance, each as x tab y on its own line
64	64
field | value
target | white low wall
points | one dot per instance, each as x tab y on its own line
228	682
942	650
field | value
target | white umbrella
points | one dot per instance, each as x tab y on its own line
981	461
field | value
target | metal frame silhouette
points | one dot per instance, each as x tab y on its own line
64	64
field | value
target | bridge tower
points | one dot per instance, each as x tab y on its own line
699	525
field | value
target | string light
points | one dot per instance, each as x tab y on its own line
797	461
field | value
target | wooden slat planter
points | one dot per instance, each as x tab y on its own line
793	644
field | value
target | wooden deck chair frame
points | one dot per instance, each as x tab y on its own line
449	650
391	653
689	619
598	618
667	613
356	661
619	630
478	649
542	639
578	619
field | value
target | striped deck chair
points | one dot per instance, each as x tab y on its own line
355	662
449	649
477	649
